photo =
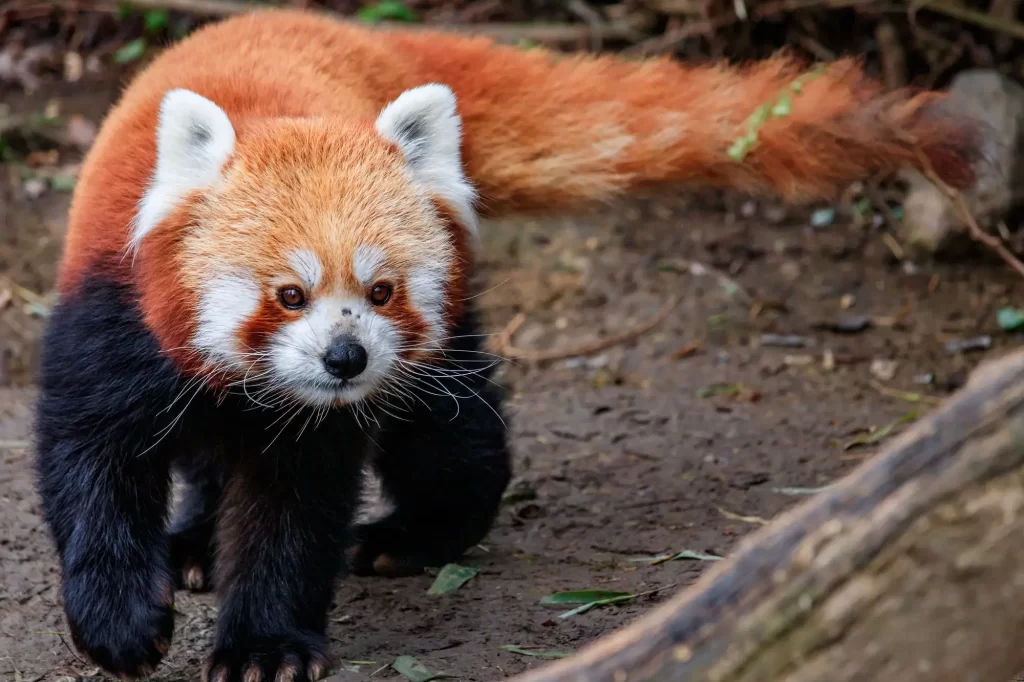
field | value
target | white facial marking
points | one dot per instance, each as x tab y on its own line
426	292
194	138
227	302
366	262
298	348
425	124
307	266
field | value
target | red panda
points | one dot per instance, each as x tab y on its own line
264	290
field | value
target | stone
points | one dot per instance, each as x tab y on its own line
931	222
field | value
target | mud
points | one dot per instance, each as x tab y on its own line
627	453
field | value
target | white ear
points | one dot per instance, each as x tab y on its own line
194	138
424	123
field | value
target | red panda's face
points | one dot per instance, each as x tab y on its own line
325	259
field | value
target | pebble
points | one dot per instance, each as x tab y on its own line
786	340
964	345
883	369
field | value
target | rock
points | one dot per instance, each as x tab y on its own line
931	223
883	369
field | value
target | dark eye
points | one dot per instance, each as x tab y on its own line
380	294
292	297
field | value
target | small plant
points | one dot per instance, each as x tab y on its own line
387	10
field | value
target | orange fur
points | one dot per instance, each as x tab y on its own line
540	133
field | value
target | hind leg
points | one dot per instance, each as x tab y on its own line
192	535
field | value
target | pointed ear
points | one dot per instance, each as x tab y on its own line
194	138
426	126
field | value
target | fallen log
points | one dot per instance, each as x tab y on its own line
910	568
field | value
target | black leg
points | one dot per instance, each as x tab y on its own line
104	478
444	476
284	522
192	535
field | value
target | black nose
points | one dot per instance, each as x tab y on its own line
345	358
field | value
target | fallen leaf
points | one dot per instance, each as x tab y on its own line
687	350
581	596
881	433
678	556
1010	318
528	651
719	389
414	671
451	578
745	519
130	51
63	183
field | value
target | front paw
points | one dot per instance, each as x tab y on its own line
392	548
191	558
124	631
295	657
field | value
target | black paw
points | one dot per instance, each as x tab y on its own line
120	626
395	549
191	558
288	658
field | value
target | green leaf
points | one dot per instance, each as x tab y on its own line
600	602
157	19
719	389
1010	318
414	671
742	146
63	183
823	217
386	10
759	116
451	578
582	596
528	651
783	107
862	206
880	433
587	599
130	51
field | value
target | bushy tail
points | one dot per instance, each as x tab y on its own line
543	133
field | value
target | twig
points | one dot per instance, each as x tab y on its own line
23	293
909	396
995	24
505	347
973	228
626	29
672	37
592	18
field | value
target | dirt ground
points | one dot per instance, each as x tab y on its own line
630	452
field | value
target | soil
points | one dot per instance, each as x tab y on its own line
630	452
